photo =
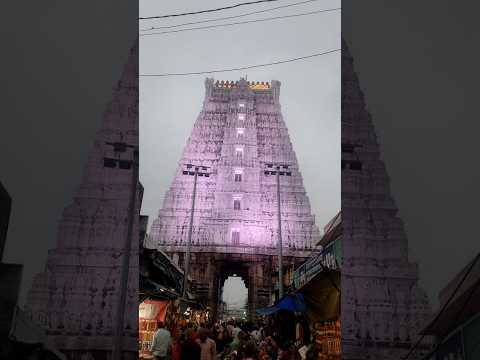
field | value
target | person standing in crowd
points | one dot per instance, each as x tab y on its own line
190	349
230	327
268	329
250	351
263	351
256	334
221	338
162	342
207	345
177	342
236	330
289	352
237	346
272	348
194	332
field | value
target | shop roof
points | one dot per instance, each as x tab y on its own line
157	267
291	302
464	305
332	230
322	296
150	288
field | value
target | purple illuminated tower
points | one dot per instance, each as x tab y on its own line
239	130
75	298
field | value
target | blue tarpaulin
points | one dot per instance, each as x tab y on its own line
294	302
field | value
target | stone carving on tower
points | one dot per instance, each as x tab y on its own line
240	128
383	307
75	298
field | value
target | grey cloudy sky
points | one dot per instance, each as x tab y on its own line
310	91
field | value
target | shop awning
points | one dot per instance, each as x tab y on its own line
322	296
159	268
153	309
291	302
151	289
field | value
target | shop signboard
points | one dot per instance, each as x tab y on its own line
330	257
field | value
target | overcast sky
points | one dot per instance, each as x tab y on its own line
309	95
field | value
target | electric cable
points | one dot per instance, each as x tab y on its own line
206	11
243	67
227	17
241	22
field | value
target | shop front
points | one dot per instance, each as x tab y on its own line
161	285
322	302
318	280
176	314
151	312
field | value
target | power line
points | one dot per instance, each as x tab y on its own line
206	11
228	17
242	22
243	67
450	298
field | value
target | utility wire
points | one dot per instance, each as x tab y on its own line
450	298
206	11
227	17
241	68
241	22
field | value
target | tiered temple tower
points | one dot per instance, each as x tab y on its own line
239	130
75	298
383	308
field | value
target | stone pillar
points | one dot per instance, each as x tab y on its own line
252	291
259	286
213	297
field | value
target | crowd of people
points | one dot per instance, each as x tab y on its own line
230	340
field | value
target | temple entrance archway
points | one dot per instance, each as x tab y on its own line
210	270
234	296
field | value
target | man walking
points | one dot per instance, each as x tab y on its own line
207	345
162	341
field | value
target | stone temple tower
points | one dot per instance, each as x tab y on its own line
383	308
239	130
75	298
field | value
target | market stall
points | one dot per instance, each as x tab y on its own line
150	313
160	286
322	302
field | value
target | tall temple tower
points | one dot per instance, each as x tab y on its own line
75	298
239	130
383	308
